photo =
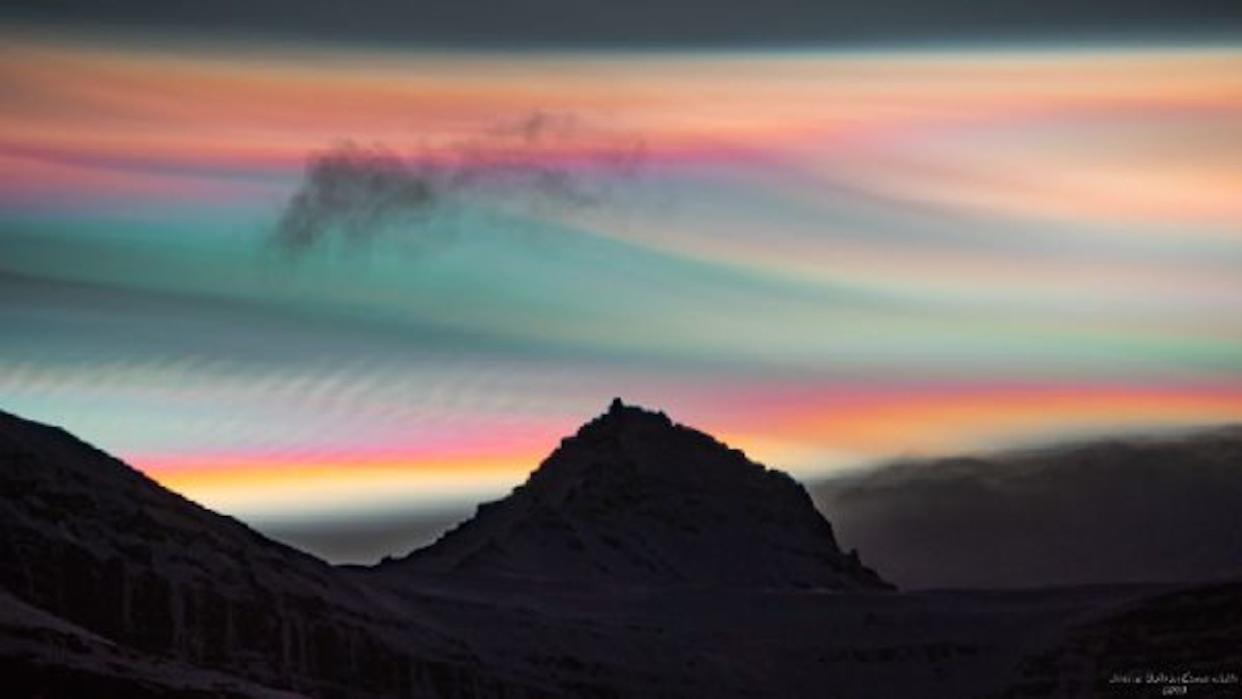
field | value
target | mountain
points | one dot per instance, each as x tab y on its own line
642	558
634	498
1143	509
113	583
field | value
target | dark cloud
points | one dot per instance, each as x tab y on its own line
1150	510
353	190
543	164
647	22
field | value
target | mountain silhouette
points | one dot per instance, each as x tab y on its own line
636	498
642	558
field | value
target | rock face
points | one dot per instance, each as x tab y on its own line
634	498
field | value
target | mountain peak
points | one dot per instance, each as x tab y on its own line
634	497
619	412
622	417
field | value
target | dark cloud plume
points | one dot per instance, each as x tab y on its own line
545	164
353	190
1142	510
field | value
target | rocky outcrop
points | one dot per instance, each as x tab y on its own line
634	498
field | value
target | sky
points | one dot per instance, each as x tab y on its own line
306	277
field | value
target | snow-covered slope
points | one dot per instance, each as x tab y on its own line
635	498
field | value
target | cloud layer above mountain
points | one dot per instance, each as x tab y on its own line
1144	510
